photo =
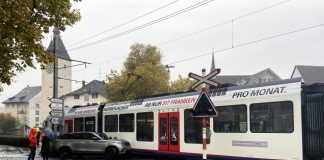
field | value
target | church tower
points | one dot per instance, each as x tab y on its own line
63	73
212	68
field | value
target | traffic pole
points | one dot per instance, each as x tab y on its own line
204	122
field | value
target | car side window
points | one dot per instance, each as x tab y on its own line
66	136
77	136
89	136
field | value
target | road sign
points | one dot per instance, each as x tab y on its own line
56	113
204	107
56	106
206	79
56	100
55	120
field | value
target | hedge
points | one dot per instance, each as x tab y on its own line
14	141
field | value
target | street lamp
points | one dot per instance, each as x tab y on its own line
168	67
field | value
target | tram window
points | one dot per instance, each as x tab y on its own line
274	117
163	131
90	124
174	131
126	122
231	119
193	128
78	124
111	123
144	126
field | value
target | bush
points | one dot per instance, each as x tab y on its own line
8	124
14	141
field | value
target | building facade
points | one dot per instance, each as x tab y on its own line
25	106
88	94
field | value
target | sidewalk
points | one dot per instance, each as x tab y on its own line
17	153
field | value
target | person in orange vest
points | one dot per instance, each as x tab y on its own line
32	143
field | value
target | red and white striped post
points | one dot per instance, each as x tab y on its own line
204	122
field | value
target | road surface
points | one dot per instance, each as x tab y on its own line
21	153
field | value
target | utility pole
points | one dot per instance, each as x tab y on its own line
55	71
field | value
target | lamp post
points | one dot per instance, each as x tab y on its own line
168	67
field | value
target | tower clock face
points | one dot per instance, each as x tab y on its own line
49	68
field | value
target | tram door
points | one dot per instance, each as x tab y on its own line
169	132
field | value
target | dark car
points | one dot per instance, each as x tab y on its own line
90	142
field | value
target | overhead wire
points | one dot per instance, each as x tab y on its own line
72	80
127	22
251	42
223	23
199	4
204	29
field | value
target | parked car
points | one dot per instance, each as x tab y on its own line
90	142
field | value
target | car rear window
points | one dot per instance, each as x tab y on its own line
66	136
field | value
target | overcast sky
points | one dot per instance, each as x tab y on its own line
280	54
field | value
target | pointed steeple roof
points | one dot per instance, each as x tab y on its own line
60	50
212	68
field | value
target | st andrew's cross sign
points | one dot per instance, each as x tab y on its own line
204	107
206	79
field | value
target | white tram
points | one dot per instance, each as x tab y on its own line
276	120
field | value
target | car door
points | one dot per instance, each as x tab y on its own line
93	143
77	142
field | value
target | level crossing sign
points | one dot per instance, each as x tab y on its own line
204	107
206	79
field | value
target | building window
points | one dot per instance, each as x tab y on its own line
76	96
231	119
144	126
37	106
37	119
78	124
86	97
94	95
37	112
274	117
193	128
126	122
111	123
90	124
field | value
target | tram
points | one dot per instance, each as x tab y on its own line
275	120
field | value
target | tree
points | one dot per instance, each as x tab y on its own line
7	123
22	25
143	75
181	84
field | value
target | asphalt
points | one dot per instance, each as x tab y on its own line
21	153
16	153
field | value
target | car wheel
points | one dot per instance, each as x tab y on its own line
64	152
111	153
